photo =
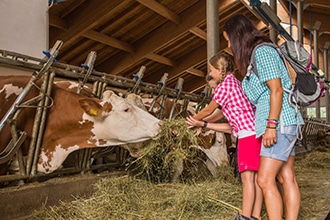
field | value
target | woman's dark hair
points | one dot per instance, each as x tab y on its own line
243	37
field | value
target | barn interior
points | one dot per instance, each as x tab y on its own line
141	44
130	41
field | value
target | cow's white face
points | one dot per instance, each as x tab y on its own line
116	121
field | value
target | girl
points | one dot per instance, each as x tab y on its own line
240	115
276	121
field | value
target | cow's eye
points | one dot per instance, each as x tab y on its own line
127	110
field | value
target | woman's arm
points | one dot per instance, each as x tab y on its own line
276	97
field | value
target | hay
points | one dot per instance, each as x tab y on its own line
159	158
314	181
128	197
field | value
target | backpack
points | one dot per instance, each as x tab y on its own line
306	87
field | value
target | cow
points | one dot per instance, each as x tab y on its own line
74	122
213	144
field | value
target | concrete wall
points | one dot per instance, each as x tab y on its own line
24	26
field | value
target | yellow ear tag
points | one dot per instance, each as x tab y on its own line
93	112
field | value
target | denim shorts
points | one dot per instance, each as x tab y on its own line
285	145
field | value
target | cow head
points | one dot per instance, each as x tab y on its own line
117	121
91	122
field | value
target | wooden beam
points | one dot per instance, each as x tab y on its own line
198	32
155	40
85	19
283	13
110	41
319	2
197	88
194	85
161	10
73	5
190	18
58	22
186	62
196	72
161	59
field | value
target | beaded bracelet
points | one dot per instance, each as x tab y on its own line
272	122
270	127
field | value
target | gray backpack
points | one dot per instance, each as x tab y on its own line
307	88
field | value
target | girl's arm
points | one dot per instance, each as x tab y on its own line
215	116
208	110
221	127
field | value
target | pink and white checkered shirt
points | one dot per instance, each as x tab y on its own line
235	105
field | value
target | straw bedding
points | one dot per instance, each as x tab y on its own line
147	193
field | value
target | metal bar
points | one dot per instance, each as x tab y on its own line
36	125
89	66
49	84
138	77
162	85
52	55
178	88
11	148
74	72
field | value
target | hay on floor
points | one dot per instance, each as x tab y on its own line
128	197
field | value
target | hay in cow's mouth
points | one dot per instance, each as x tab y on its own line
161	158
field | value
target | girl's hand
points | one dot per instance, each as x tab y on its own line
191	122
197	131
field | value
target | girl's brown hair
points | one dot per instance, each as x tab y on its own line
222	61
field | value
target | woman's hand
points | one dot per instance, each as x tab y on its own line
269	138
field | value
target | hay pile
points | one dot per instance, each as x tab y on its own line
129	197
313	174
159	158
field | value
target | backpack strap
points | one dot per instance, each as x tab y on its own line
253	66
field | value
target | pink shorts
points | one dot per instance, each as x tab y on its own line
248	154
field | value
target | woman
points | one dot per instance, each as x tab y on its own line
276	121
240	115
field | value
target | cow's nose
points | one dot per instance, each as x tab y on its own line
160	123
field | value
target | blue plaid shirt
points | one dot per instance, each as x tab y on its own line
270	66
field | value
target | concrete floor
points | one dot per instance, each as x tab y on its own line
18	202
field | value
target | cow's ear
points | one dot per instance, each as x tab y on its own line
107	94
107	107
91	107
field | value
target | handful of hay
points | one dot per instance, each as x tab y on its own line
161	158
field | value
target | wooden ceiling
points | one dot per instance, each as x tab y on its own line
165	36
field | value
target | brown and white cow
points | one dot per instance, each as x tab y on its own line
75	122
